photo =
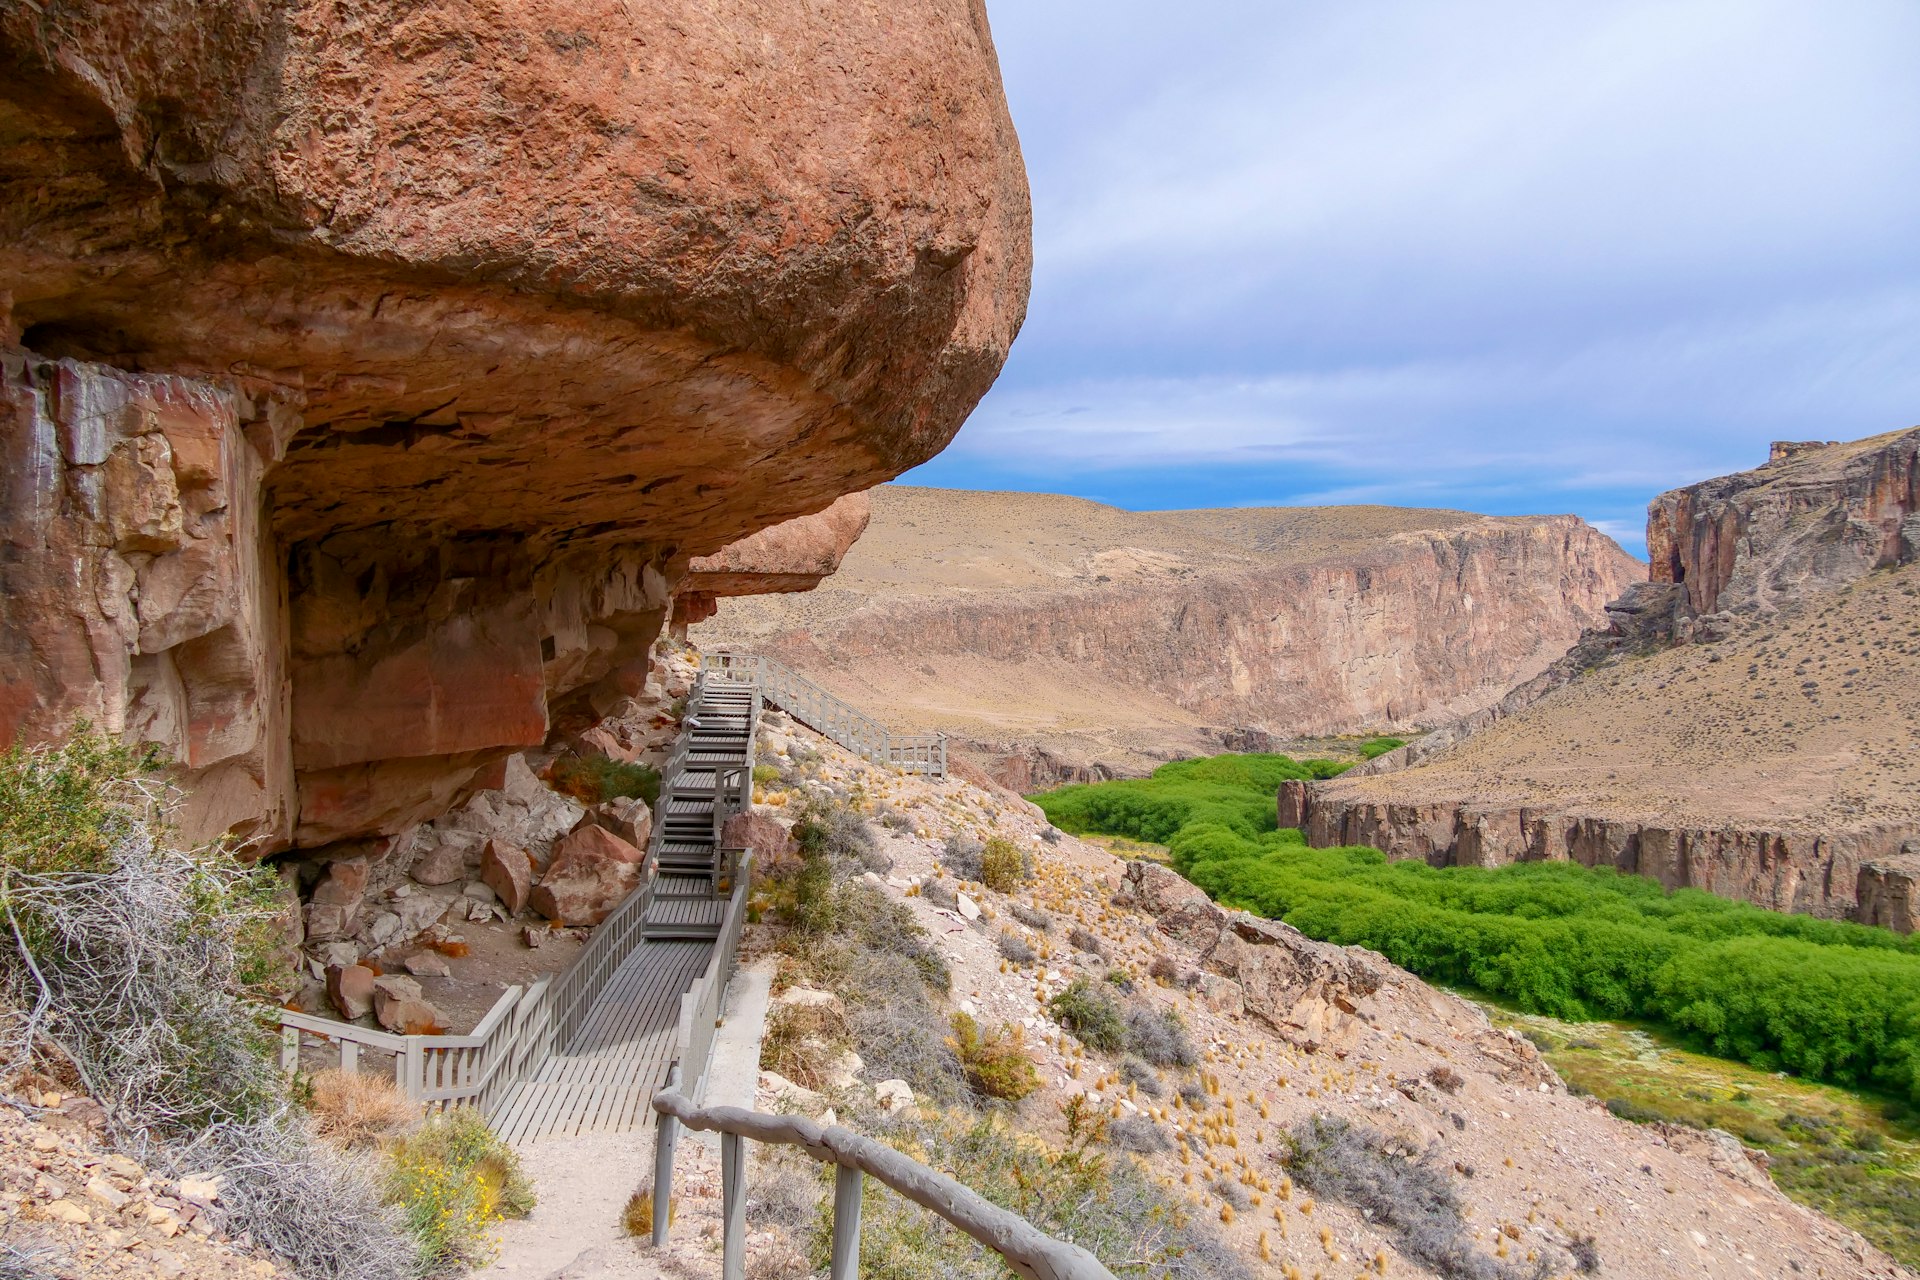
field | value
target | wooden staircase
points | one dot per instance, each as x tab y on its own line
708	778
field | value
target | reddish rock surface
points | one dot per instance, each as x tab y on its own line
508	871
592	870
478	326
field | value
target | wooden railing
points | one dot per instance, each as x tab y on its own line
528	1024
829	716
1028	1251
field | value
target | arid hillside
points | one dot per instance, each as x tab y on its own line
1746	724
1060	637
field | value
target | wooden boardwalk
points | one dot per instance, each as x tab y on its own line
606	1079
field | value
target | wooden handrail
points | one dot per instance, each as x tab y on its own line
828	715
1028	1251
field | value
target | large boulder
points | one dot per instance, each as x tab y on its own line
462	330
508	871
592	870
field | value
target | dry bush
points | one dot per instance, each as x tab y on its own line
1016	948
1407	1192
1137	1134
1034	919
961	857
1159	1036
1082	940
1141	1076
1446	1079
357	1112
802	1041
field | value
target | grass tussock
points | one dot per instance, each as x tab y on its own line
358	1112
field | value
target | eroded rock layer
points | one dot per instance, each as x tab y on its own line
1744	725
375	371
1057	635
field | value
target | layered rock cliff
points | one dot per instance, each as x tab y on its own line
1744	725
374	373
1061	636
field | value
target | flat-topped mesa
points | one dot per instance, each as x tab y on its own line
1743	724
375	374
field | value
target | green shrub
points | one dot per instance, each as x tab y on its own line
453	1181
1091	1014
592	779
1819	998
996	1062
765	775
1004	865
1374	748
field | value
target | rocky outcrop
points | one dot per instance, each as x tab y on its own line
473	330
1815	518
1721	732
794	555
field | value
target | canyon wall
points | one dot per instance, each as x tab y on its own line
1058	639
1744	724
374	375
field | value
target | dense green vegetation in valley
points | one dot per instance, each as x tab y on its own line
1819	998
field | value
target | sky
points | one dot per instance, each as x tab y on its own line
1505	257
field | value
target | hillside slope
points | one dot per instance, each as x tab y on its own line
1055	633
1747	725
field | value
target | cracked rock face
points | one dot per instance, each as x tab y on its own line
374	372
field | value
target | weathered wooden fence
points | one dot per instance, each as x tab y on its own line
1028	1251
829	716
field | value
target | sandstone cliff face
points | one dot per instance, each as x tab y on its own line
476	327
1007	618
1743	725
1816	517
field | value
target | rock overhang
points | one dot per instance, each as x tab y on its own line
517	314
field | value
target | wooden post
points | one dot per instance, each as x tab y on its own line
847	1185
664	1137
289	1049
349	1055
733	1208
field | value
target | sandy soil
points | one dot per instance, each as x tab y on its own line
1805	722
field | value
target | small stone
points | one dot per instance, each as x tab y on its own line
533	936
106	1193
893	1095
67	1211
350	989
199	1190
969	909
427	964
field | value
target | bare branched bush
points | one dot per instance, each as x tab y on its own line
1016	948
961	857
1083	940
1141	1076
940	895
320	1209
1408	1192
31	1262
1034	919
1160	1037
1138	1134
